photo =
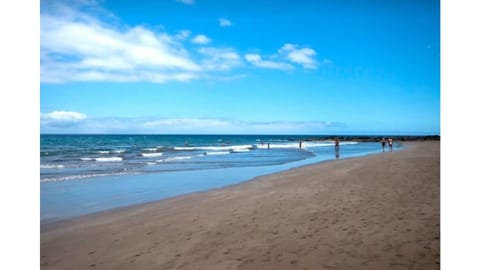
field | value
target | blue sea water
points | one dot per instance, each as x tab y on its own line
82	174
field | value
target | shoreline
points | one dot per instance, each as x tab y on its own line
237	175
46	226
266	212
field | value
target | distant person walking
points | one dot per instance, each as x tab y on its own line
383	144
300	144
390	144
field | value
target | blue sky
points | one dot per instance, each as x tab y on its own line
242	67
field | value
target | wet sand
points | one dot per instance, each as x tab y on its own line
375	212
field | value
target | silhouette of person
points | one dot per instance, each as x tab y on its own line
383	144
390	144
300	144
268	146
337	148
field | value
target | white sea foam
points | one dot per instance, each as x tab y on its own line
277	145
119	151
317	144
185	148
108	159
82	176
240	150
150	149
214	148
175	158
217	153
86	158
51	166
178	158
241	147
151	154
297	144
344	142
103	152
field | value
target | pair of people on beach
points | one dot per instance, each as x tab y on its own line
390	144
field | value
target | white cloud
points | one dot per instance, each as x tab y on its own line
257	60
291	54
220	58
187	2
293	127
224	22
61	118
78	47
64	116
302	56
227	77
201	39
155	125
186	123
183	34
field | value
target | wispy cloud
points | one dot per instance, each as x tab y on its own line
227	77
201	39
287	58
76	46
183	124
224	22
257	60
183	34
156	125
302	56
187	2
220	58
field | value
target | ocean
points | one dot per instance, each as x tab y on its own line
83	174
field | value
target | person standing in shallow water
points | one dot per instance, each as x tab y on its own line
383	144
337	145
337	148
390	144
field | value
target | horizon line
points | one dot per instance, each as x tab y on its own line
251	134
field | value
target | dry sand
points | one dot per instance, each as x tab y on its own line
376	212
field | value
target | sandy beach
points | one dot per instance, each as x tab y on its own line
376	212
